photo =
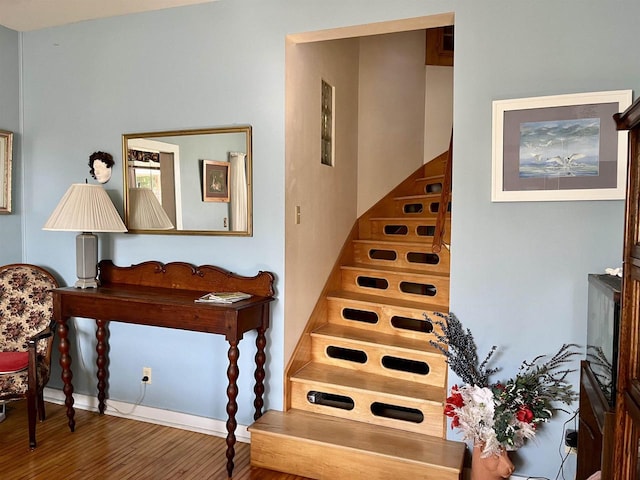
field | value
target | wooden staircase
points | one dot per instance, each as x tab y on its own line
365	390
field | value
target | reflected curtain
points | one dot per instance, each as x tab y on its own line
238	199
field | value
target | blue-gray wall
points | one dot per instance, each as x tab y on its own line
519	270
10	224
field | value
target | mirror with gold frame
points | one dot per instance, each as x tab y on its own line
6	149
189	182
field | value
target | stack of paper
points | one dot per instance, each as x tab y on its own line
223	297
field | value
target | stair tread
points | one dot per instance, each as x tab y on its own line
420	196
428	242
359	436
378	300
360	335
430	177
399	270
413	217
324	374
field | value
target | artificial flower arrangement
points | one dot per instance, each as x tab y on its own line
500	416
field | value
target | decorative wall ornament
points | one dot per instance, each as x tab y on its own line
100	164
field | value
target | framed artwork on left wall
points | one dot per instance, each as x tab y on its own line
6	149
560	147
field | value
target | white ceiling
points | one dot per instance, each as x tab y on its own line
25	15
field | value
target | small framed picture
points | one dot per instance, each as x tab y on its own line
6	148
561	147
215	181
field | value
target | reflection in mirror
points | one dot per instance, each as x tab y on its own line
6	148
188	181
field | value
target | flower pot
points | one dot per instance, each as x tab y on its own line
493	467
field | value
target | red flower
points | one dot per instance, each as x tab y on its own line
455	422
456	398
524	415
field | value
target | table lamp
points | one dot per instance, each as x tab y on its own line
145	211
86	208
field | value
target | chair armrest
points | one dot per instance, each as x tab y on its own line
46	333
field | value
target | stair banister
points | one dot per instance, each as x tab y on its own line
445	196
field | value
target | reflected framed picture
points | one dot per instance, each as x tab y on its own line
215	181
560	147
6	149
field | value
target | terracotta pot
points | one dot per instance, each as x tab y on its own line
493	467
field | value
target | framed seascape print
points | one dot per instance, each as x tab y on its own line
561	147
6	148
215	181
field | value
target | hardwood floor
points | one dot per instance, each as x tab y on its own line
107	447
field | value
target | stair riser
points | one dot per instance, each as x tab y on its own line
433	422
402	256
410	229
351	314
330	462
424	207
427	185
355	280
323	351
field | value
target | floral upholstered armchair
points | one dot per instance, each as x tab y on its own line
26	337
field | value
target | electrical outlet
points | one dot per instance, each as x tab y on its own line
146	372
570	450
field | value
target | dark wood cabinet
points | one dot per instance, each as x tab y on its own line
627	416
598	375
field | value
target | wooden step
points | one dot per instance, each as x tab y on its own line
374	352
427	185
407	229
328	448
412	255
393	317
391	282
424	205
369	398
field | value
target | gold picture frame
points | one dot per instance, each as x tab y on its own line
6	152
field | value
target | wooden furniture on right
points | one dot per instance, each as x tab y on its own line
627	425
598	377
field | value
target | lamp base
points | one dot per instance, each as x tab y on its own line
86	260
86	283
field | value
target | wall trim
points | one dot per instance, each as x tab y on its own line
158	416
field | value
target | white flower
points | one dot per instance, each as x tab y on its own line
482	396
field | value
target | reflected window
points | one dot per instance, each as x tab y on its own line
145	170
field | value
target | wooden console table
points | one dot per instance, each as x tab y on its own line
153	293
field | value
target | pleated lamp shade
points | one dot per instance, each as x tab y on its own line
86	208
145	211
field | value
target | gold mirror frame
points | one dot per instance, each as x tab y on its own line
175	165
6	153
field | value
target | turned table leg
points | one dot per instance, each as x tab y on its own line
101	348
232	405
261	342
65	363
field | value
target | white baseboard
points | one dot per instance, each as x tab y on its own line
141	413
